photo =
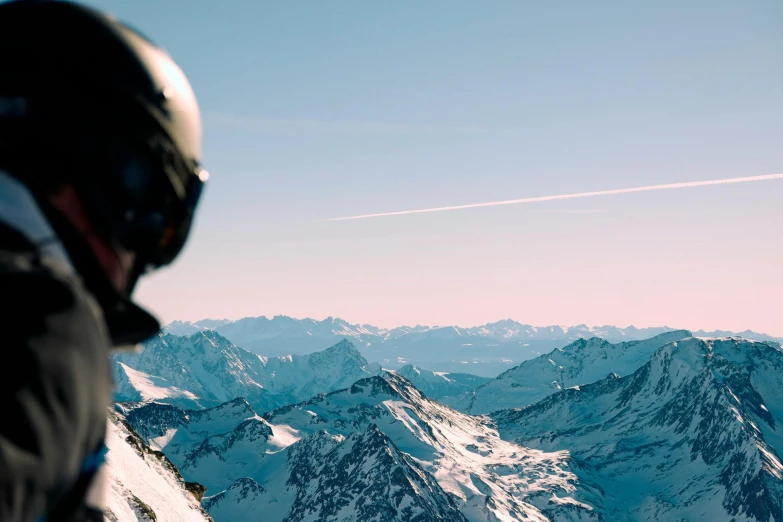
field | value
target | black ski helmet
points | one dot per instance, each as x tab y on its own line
106	110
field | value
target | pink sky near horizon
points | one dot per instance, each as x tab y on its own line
683	259
349	108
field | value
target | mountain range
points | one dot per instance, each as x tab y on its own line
581	362
693	434
390	441
206	369
485	350
675	427
359	477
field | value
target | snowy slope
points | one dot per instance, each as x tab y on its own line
492	479
489	479
135	385
215	446
581	362
362	477
694	434
440	384
144	483
206	369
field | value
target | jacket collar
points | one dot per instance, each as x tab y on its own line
128	324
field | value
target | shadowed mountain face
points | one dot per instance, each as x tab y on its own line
206	369
359	477
254	469
694	434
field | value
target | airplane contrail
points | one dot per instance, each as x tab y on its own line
667	186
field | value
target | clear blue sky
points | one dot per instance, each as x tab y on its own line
323	109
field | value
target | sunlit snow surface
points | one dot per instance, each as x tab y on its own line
673	429
582	362
138	474
152	388
489	479
684	437
205	370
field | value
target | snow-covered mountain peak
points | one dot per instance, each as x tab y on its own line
409	369
724	358
158	422
373	387
204	343
387	384
694	433
325	477
383	422
253	429
385	484
341	351
404	388
581	362
597	347
206	369
210	338
493	480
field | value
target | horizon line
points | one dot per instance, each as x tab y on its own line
667	186
565	327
